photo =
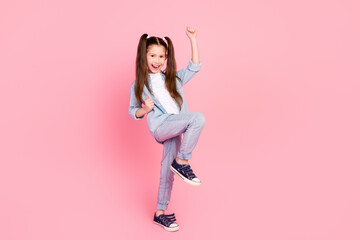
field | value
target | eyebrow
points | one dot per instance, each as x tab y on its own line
155	53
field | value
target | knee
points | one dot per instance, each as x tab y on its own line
200	119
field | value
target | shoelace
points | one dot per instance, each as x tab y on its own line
188	171
168	219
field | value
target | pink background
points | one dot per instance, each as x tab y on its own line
279	154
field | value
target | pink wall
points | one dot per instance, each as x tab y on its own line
278	157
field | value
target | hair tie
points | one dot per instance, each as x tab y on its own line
162	38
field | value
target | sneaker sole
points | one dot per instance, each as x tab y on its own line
167	228
184	178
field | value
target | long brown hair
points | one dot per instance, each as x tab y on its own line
142	72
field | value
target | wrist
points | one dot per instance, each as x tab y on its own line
146	110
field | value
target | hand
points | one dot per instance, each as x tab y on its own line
191	32
149	104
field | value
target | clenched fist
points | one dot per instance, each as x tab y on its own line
191	32
149	104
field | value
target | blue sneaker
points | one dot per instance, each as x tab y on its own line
185	172
166	221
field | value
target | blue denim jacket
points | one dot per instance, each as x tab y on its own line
158	114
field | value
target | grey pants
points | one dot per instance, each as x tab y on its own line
188	125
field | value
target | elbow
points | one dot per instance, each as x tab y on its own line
131	113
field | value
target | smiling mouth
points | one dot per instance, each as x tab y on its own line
155	66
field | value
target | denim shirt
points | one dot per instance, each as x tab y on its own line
158	114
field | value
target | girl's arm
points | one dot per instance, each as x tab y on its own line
192	34
148	107
134	107
194	65
135	111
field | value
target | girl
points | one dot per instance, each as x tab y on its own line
159	94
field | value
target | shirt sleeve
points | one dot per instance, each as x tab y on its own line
188	72
133	106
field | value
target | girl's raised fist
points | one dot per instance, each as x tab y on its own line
191	32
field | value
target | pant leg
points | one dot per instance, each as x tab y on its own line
188	124
170	148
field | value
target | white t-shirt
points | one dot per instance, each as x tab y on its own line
162	94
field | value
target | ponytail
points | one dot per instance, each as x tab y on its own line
141	69
170	75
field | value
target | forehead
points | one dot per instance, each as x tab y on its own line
156	49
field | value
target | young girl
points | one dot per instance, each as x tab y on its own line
159	94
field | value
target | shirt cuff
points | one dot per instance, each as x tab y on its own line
194	67
132	113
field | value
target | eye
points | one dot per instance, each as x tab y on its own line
152	55
162	56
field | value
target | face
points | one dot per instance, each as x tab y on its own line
155	58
